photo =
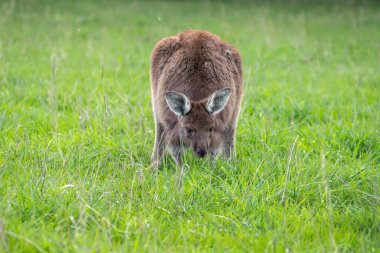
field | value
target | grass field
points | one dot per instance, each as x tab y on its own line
77	130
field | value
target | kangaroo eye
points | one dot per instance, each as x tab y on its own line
211	129
189	130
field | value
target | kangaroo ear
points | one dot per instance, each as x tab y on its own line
218	101
178	103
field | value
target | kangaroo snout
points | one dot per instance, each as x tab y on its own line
201	152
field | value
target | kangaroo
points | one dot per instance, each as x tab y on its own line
197	90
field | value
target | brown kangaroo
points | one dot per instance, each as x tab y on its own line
196	88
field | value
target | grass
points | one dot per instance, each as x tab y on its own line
77	130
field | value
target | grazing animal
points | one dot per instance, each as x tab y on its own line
196	88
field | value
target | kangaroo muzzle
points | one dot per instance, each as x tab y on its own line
201	152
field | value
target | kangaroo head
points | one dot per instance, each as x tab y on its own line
197	119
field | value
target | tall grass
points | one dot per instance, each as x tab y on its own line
76	130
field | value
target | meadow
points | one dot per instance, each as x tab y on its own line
76	130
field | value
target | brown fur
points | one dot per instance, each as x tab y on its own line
196	64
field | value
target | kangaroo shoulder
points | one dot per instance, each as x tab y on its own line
233	57
162	51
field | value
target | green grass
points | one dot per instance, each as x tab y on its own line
77	130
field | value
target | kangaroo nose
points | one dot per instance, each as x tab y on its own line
201	152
